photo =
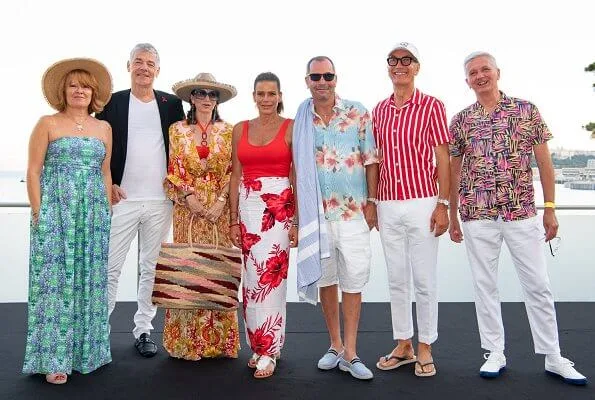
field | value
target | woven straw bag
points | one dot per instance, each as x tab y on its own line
197	276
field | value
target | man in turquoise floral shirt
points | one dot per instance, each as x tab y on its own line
347	167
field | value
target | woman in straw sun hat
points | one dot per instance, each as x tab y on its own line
198	183
68	181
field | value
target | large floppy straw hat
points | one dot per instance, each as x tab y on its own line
56	72
204	80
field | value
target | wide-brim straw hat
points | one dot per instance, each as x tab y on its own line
53	76
204	80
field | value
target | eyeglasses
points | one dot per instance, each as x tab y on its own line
405	61
203	93
554	245
328	76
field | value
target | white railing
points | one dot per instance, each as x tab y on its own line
572	270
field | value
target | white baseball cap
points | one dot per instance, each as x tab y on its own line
406	46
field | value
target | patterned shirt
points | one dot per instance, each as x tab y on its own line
406	138
343	149
496	177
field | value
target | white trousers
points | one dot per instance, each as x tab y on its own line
411	252
153	220
524	239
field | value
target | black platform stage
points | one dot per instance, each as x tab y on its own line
457	354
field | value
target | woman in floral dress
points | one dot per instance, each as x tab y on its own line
262	220
198	182
68	181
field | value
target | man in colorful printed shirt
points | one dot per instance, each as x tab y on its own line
348	174
493	140
411	130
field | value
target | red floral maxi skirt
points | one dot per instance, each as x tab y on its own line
266	213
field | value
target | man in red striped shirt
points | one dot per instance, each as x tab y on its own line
412	136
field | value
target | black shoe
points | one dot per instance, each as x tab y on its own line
145	346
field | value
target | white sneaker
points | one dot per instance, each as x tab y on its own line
494	365
565	370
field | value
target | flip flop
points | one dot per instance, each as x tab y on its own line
57	378
421	372
400	362
263	365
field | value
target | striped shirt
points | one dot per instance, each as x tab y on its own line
406	138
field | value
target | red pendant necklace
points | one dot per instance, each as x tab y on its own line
203	149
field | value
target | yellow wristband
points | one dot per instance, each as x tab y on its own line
549	204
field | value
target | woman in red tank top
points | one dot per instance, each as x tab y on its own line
262	220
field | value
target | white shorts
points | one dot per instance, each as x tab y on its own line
349	263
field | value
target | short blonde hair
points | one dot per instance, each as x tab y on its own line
476	54
86	79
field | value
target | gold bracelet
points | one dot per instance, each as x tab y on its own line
549	204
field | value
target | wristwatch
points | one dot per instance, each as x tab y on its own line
444	202
373	200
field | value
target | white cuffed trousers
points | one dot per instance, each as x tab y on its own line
411	252
524	239
153	220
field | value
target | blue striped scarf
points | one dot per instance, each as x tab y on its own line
313	243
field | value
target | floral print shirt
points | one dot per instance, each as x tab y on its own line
496	177
343	149
186	173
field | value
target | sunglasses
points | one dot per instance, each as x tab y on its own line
328	76
405	61
554	245
203	94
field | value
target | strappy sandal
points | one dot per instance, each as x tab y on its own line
400	362
421	371
58	378
254	359
263	367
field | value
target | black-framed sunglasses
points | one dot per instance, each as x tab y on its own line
405	61
328	76
554	245
204	93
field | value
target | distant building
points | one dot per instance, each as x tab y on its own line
562	153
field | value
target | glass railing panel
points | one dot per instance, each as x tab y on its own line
571	271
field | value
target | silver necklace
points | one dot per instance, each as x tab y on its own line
79	125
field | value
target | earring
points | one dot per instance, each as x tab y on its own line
214	113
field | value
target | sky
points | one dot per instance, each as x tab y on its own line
542	49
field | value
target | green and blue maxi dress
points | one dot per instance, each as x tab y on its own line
68	314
